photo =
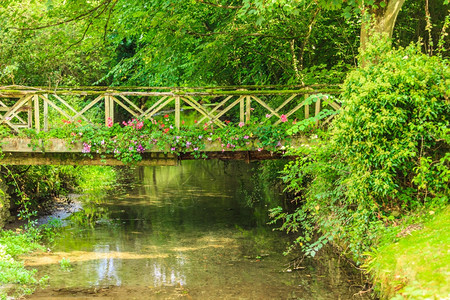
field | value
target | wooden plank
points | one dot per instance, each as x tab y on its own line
30	113
12	112
193	103
306	108
292	111
263	104
327	120
145	113
286	102
37	123
64	102
248	108
69	107
5	108
133	113
131	104
45	113
177	112
47	100
16	106
161	106
317	109
107	103
334	105
111	109
81	112
217	107
242	110
79	159
227	108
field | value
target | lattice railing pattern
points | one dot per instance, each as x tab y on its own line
22	107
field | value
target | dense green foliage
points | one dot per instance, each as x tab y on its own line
118	42
386	155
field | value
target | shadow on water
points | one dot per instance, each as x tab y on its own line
197	231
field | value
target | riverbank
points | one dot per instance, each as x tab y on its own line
417	264
39	216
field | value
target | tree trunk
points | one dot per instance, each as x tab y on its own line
380	20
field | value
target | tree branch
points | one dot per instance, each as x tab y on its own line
107	20
81	39
79	17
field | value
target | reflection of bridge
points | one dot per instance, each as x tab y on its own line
40	108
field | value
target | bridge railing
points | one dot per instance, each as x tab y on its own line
25	107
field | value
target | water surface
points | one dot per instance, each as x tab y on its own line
195	231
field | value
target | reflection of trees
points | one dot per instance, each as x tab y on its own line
173	275
106	268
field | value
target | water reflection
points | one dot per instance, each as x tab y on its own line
199	228
106	268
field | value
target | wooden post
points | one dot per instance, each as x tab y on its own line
248	109
45	113
317	109
107	110
177	112
30	113
306	108
242	110
111	108
37	124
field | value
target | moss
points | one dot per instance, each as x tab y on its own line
418	265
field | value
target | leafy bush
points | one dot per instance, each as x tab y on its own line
386	155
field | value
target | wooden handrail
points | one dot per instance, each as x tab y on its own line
30	106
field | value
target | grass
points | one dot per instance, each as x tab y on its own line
15	279
417	266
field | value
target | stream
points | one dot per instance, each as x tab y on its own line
195	231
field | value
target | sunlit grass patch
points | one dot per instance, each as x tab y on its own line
418	265
15	279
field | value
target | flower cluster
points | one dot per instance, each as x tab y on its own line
128	140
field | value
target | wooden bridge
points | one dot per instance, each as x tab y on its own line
42	109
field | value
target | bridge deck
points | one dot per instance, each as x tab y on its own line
56	152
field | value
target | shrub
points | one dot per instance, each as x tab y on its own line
386	155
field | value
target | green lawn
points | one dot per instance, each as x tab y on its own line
417	266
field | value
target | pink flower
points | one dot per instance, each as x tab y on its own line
268	116
283	118
86	148
109	122
241	124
